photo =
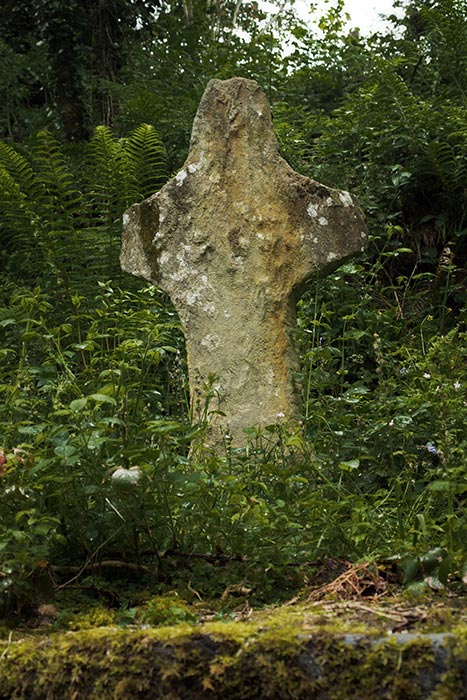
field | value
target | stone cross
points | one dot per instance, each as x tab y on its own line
233	238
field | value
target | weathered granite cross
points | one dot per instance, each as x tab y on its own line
233	238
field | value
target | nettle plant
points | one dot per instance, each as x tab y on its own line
78	401
84	364
385	410
94	414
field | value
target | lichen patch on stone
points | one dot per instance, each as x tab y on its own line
346	199
179	177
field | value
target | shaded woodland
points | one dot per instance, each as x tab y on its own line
97	482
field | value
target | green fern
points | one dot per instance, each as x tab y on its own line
119	173
147	155
20	170
110	187
111	184
17	230
58	200
18	222
438	160
72	214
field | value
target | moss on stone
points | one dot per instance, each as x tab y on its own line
278	654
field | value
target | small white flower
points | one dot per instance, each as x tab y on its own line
457	385
427	375
280	415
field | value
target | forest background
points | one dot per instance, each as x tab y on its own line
97	104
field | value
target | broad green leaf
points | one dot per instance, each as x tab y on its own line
103	398
78	404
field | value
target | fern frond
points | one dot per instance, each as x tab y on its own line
111	182
110	186
59	200
17	227
13	202
438	160
442	344
20	170
148	157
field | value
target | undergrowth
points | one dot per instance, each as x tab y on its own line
96	474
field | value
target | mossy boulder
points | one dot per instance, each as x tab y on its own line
280	654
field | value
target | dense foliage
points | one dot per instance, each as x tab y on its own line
94	419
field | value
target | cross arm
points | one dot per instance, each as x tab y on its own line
328	224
